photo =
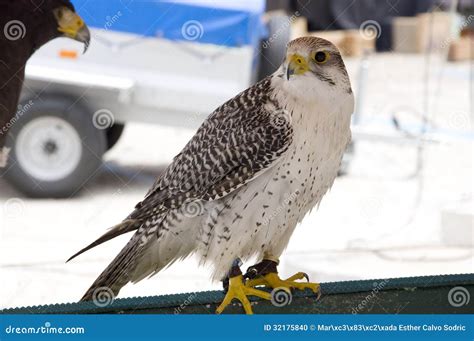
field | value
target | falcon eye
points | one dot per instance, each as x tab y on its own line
321	57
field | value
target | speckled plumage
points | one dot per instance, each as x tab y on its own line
253	170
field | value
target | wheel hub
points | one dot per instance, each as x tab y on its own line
48	148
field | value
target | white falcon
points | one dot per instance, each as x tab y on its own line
240	186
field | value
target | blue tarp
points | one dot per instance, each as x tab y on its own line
215	22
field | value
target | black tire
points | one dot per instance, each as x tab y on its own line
113	134
273	48
92	147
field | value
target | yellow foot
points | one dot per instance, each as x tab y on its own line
272	280
239	291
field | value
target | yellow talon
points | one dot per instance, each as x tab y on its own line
239	291
255	282
272	280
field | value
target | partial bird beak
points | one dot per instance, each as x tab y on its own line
84	36
297	65
72	26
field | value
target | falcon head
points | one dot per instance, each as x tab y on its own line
315	63
37	22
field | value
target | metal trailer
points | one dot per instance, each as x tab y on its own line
159	62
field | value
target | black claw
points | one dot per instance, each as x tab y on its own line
225	284
251	273
234	271
306	276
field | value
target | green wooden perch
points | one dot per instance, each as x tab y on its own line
444	294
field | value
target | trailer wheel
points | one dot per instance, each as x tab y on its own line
113	134
55	148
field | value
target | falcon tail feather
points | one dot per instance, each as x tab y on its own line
115	231
116	275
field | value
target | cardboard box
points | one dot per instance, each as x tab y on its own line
404	34
299	27
461	49
351	43
434	31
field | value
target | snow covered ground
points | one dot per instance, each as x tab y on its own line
378	221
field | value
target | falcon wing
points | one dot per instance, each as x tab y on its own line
237	142
232	147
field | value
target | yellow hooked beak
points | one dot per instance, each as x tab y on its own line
72	26
297	65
